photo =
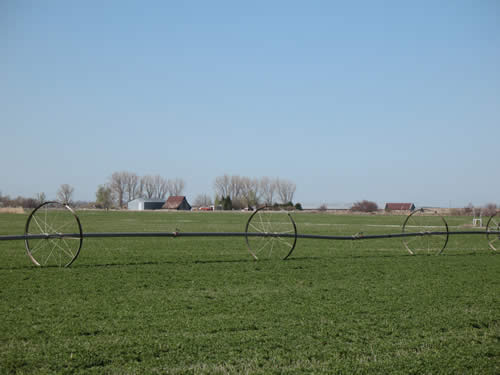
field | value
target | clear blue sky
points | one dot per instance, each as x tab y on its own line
379	100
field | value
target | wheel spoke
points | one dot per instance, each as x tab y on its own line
50	229
272	246
39	245
58	229
39	227
262	223
257	229
45	221
50	254
63	250
262	247
285	242
412	239
493	226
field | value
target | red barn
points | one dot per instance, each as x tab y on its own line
399	206
177	202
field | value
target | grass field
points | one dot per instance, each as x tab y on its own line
203	305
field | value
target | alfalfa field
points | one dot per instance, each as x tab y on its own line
205	306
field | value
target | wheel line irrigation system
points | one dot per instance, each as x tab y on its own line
54	236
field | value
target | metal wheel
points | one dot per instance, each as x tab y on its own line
270	234
55	235
493	238
424	222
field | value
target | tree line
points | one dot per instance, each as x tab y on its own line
240	191
30	202
123	187
487	210
231	191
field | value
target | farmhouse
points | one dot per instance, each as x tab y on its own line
177	202
399	207
140	204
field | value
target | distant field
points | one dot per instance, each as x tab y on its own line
203	305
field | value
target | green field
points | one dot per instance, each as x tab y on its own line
203	305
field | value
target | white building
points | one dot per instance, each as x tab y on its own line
141	204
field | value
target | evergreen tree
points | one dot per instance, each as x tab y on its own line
227	204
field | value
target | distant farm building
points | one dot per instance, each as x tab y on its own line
399	207
177	202
141	204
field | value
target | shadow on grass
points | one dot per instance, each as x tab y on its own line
410	256
466	253
78	266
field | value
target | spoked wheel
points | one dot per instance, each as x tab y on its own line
270	234
424	223
54	235
493	238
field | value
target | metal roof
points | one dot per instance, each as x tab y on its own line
173	202
399	206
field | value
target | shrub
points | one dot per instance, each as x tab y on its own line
364	206
468	210
489	210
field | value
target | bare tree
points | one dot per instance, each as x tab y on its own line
489	210
245	191
162	187
230	187
286	190
40	198
132	186
249	191
222	186
155	187
203	200
176	187
235	188
4	200
65	194
268	189
118	185
148	186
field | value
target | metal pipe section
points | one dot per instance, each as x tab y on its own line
231	234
